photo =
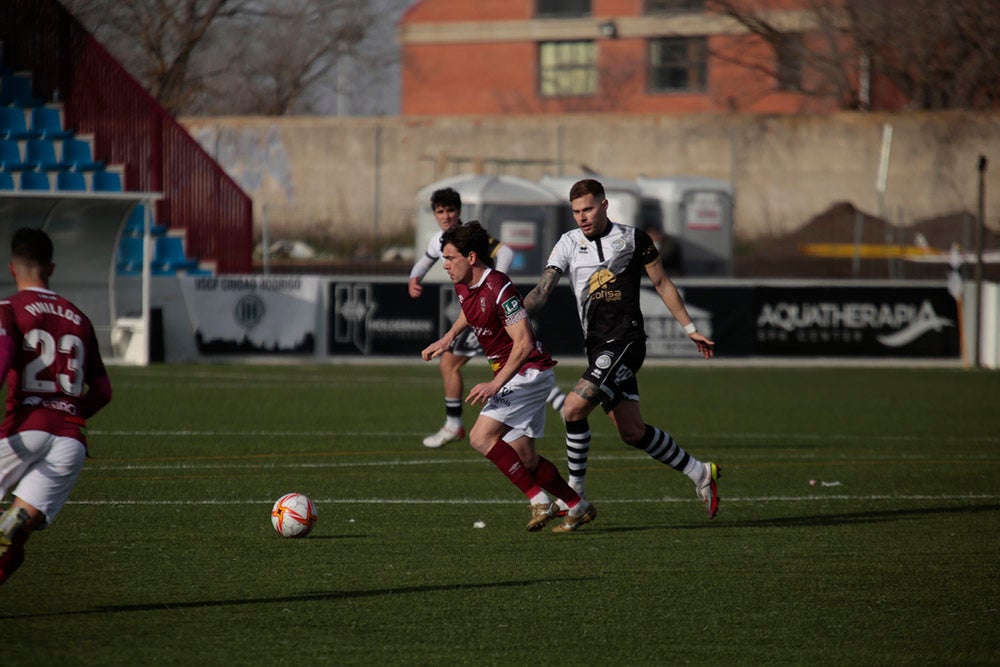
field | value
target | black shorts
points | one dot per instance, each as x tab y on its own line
613	367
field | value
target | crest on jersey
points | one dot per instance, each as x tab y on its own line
603	361
618	244
599	279
482	304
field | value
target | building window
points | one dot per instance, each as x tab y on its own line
677	64
788	62
567	69
674	6
548	8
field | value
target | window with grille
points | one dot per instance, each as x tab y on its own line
677	64
567	69
549	8
674	6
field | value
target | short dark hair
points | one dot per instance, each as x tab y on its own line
32	245
587	186
468	238
446	197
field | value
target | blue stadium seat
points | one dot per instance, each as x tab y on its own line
12	125
10	155
129	260
76	154
105	181
133	226
72	181
41	154
6	181
46	123
169	255
15	90
35	180
136	219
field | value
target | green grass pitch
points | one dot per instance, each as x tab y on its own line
165	553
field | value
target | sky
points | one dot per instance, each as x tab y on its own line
373	94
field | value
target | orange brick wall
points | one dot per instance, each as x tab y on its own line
502	77
433	11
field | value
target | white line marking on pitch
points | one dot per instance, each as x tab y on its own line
264	463
778	438
507	501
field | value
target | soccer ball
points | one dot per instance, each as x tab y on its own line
293	515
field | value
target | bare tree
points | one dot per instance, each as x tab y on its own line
236	56
939	54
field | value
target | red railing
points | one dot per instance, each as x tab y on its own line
130	128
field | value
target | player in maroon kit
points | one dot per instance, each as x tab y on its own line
55	382
514	400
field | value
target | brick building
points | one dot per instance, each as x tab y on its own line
631	56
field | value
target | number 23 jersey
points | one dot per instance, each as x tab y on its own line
55	357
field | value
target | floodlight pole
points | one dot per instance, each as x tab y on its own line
976	360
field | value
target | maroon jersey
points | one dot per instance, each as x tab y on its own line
55	359
491	305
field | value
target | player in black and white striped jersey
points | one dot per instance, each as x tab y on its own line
606	262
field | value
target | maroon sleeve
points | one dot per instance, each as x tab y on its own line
98	384
98	395
8	346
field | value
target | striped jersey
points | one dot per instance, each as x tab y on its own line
605	274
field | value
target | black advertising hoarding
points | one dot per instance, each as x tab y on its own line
844	321
379	318
722	313
372	317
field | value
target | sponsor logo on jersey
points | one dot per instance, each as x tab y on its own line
600	278
511	306
51	403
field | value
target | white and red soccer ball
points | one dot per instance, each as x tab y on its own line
293	515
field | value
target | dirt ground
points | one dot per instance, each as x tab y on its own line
781	257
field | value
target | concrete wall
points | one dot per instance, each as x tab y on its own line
358	177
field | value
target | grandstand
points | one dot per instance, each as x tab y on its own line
127	195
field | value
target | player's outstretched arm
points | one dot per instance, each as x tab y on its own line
441	345
540	293
675	304
417	273
503	258
523	339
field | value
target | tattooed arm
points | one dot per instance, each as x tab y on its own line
537	297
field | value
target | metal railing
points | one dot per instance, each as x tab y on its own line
131	129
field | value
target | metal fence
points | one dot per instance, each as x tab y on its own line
131	129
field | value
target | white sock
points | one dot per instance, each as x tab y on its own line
539	498
694	469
